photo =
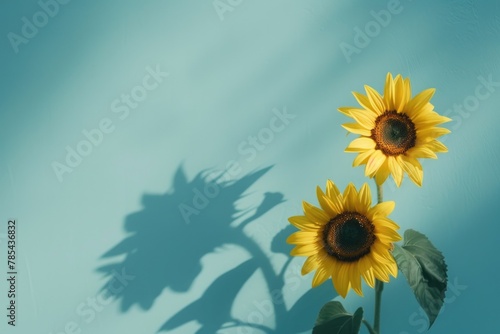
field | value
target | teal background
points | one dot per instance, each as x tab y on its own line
120	207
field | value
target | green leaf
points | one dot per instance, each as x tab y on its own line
425	270
334	319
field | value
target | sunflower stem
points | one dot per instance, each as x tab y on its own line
379	286
380	193
369	327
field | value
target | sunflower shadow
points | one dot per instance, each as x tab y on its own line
170	235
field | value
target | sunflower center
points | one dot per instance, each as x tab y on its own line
394	133
348	236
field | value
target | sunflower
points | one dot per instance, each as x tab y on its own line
346	238
395	130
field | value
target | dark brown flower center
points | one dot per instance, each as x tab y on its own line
394	133
348	236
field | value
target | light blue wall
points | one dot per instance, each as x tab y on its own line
228	77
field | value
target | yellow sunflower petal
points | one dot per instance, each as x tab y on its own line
437	146
309	265
382	173
413	168
383	249
364	264
393	269
381	210
420	100
389	232
387	237
334	197
303	223
389	92
341	281
305	250
365	103
387	222
379	258
302	238
430	119
421	152
347	110
396	170
325	203
407	88
399	96
380	273
320	276
350	197
360	144
378	255
375	100
362	157
421	114
315	214
336	205
369	277
365	197
373	164
429	134
355	279
357	128
365	119
332	191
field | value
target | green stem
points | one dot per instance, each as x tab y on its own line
379	286
370	328
380	194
